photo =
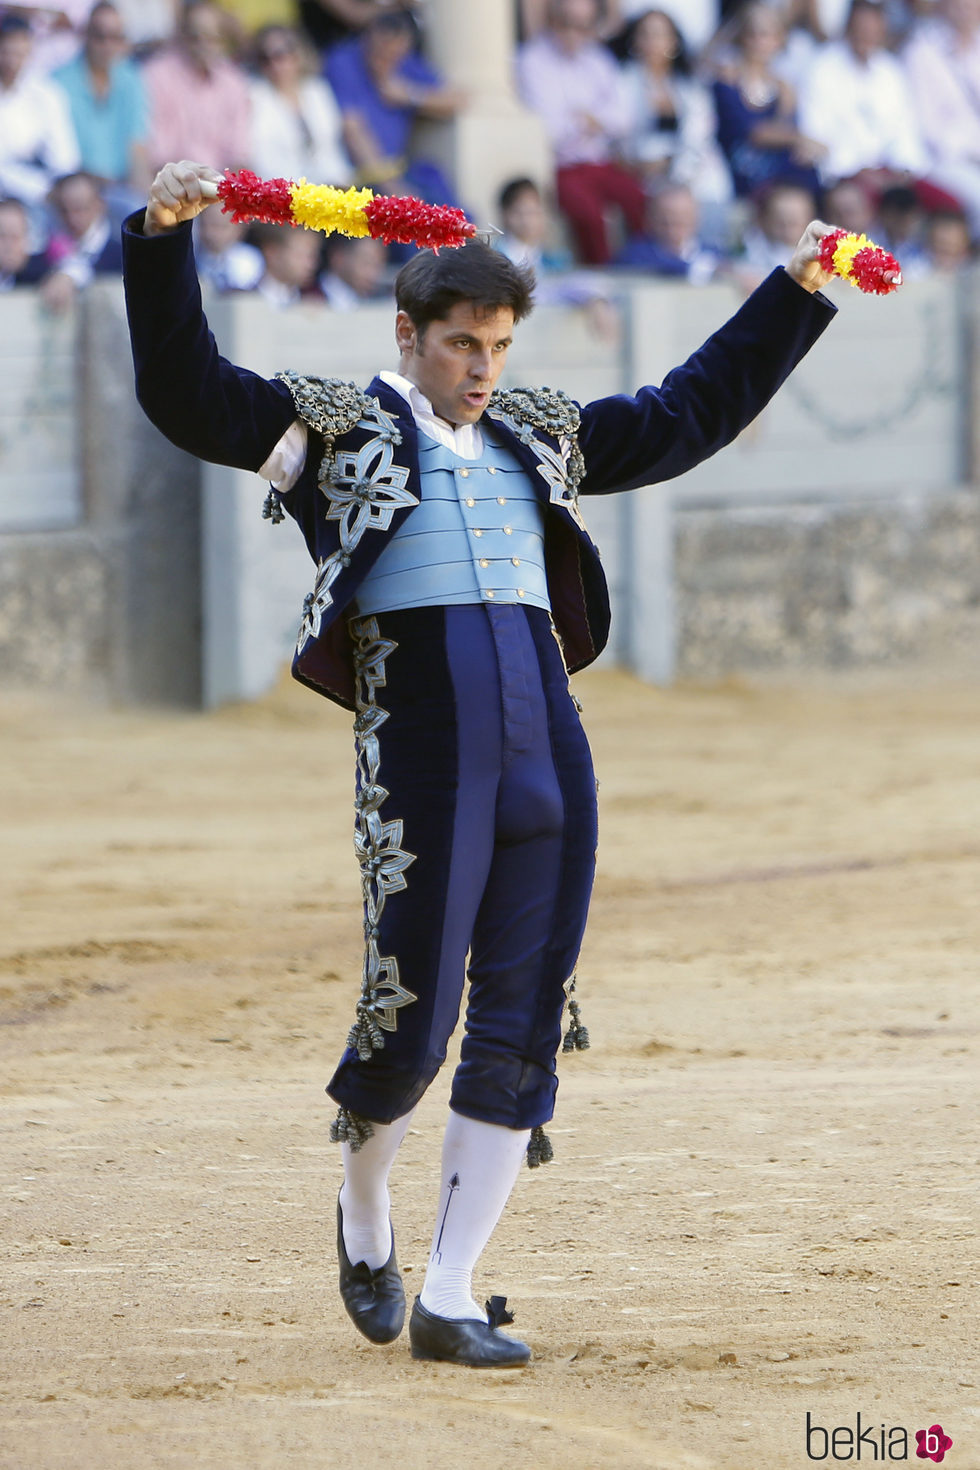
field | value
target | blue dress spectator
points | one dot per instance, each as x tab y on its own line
756	110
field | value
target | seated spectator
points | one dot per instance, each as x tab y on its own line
948	247
18	267
225	261
900	227
383	86
942	63
575	86
290	264
355	274
756	109
849	204
526	241
780	215
199	100
857	104
83	243
37	140
527	230
296	123
672	128
670	244
107	101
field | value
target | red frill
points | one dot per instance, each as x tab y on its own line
246	197
868	270
406	221
825	255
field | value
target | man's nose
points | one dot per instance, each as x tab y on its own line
480	365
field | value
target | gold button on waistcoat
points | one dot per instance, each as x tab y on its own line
464	473
470	501
501	499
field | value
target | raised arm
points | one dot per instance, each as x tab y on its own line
198	399
705	403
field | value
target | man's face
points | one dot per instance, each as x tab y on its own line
204	37
673	219
457	362
15	48
80	205
786	215
292	260
525	218
867	30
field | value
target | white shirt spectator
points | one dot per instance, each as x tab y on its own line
304	144
943	70
37	140
862	112
691	152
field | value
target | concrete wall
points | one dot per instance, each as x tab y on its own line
841	528
99	516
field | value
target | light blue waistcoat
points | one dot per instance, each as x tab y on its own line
477	535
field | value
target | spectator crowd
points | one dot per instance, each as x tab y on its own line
692	139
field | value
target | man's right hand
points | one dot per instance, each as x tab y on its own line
179	192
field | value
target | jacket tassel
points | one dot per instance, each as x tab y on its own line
352	1129
539	1149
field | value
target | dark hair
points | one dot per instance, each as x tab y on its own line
900	198
513	190
397	22
429	285
625	42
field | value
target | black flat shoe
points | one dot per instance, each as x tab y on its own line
375	1300
463	1340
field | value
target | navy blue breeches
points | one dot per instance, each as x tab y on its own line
476	833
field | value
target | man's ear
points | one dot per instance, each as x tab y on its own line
406	334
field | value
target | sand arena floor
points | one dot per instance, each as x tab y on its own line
764	1197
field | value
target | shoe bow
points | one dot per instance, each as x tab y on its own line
497	1314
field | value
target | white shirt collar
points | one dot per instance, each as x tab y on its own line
466	440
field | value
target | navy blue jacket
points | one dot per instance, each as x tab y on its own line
227	415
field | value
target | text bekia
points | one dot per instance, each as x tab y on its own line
871	1442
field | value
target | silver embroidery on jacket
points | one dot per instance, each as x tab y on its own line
363	487
522	410
378	845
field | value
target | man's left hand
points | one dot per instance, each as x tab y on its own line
804	267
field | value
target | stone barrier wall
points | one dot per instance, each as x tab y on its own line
842	528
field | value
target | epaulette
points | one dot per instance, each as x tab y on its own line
552	411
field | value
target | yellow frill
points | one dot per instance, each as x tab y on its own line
845	252
322	207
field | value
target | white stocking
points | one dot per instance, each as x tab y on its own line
364	1198
480	1162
